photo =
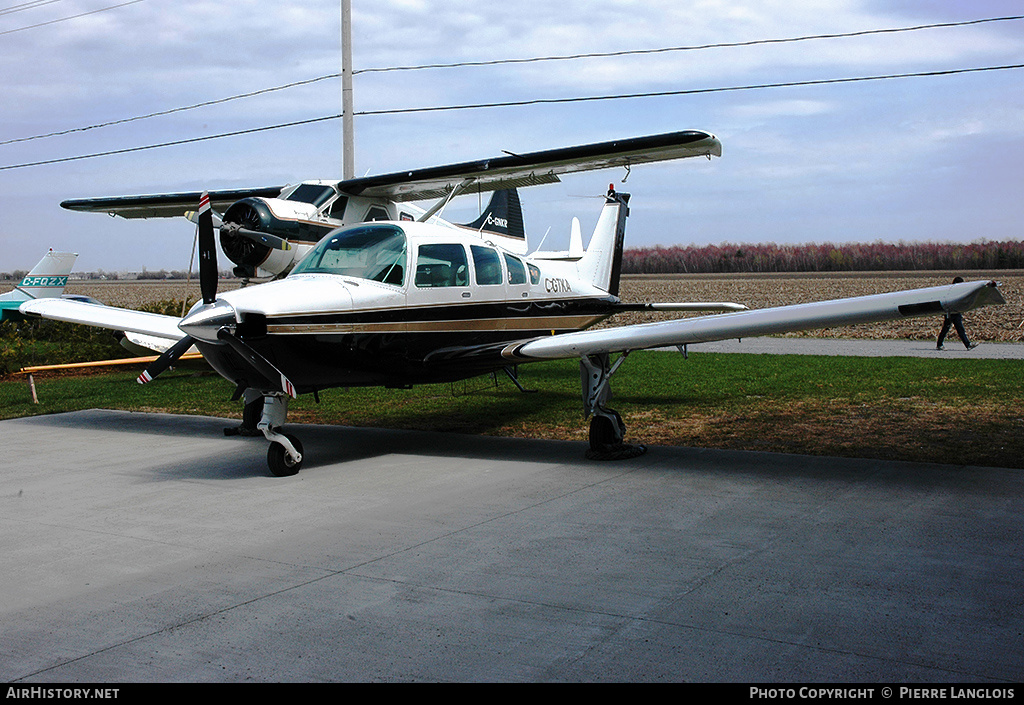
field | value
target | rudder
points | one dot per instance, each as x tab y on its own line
601	264
503	216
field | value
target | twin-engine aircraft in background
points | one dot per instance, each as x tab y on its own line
399	301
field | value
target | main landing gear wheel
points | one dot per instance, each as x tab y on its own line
606	441
606	426
278	460
252	412
602	432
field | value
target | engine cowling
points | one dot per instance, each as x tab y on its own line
238	239
245	252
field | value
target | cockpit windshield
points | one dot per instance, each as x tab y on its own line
311	193
375	252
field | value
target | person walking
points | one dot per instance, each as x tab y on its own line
955	320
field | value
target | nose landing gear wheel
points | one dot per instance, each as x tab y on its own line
277	458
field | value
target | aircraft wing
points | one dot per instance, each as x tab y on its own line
951	298
534	168
123	319
165	205
512	171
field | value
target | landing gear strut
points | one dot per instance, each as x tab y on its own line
285	453
606	427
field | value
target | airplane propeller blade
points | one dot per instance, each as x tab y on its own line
207	251
260	363
169	357
193	216
272	241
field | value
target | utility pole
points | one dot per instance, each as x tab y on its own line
348	165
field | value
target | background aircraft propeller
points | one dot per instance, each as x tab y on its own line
232	229
272	241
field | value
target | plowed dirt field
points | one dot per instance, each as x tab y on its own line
994	323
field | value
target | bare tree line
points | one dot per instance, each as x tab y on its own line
825	257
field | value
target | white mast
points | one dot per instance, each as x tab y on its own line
348	166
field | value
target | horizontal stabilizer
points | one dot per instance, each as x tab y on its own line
950	298
147	344
682	306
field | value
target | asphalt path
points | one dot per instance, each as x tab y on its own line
150	548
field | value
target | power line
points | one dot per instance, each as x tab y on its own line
696	47
539	101
26	6
694	91
72	17
169	111
174	143
512	61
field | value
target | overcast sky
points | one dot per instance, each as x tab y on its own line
933	159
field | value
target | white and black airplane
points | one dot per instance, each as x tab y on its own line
399	301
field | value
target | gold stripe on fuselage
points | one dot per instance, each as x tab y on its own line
452	326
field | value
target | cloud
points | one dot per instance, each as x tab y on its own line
837	147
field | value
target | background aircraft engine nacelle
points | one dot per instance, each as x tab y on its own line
281	261
245	250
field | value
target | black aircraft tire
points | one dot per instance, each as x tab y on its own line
251	414
277	459
602	433
605	446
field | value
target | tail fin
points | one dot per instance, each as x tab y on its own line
575	240
601	264
503	216
46	280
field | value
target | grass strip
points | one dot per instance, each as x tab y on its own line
964	412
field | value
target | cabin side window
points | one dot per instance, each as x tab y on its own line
337	209
310	193
534	274
487	265
376	213
441	265
516	271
